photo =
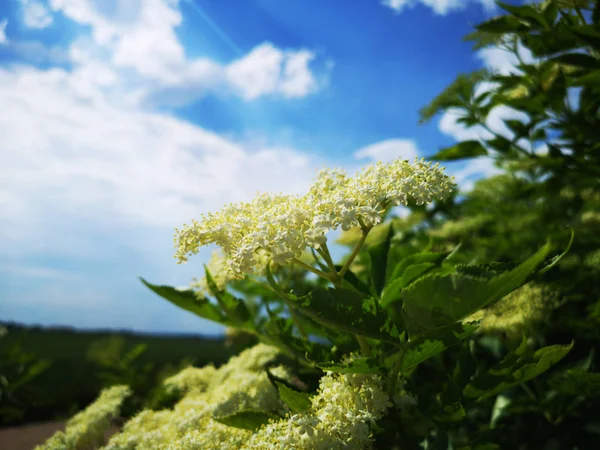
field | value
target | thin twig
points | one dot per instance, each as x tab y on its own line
313	270
365	232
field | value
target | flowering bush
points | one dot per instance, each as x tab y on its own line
397	345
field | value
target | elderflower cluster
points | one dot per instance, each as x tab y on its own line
281	227
521	310
239	385
340	417
86	429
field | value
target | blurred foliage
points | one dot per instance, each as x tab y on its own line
18	369
85	362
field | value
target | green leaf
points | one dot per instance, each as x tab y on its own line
510	373
358	365
554	261
234	308
435	301
578	60
519	128
189	301
297	401
465	149
422	352
391	292
247	419
527	13
346	310
378	255
417	258
588	34
351	281
577	382
502	25
458	95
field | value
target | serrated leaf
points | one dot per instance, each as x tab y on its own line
557	259
525	368
422	352
357	365
462	150
391	292
189	301
435	301
297	401
577	382
378	255
417	258
527	13
578	60
235	309
346	310
247	420
502	25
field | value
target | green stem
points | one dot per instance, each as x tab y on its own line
365	232
580	15
296	319
364	345
395	371
512	143
293	312
323	275
324	252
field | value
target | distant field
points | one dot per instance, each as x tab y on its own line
71	382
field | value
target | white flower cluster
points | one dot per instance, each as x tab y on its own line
283	226
86	429
240	384
340	417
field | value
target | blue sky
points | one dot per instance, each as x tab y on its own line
123	119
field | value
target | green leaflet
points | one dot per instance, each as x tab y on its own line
296	400
465	149
501	25
346	310
234	308
435	301
249	419
392	291
420	353
189	301
343	309
433	343
527	13
577	382
416	258
358	365
378	256
518	367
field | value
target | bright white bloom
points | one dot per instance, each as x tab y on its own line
240	384
281	227
340	417
86	429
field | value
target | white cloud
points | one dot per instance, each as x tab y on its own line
440	7
138	39
3	38
267	69
389	150
90	174
36	14
473	170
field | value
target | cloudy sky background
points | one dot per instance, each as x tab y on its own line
122	119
